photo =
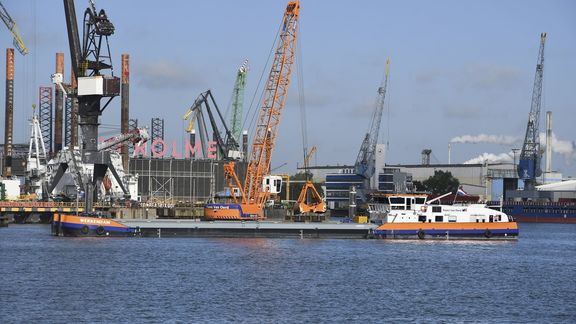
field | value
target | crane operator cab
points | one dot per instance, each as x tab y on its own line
272	184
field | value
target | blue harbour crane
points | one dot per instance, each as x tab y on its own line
365	165
530	157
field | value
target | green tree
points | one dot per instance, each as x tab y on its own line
419	186
441	182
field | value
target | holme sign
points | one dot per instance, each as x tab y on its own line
159	148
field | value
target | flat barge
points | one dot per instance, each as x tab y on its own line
79	226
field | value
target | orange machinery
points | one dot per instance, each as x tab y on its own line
249	198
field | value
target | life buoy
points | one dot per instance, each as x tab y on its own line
85	229
488	233
100	230
421	235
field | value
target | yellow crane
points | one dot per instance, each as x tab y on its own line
9	22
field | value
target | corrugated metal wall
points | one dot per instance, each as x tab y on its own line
185	180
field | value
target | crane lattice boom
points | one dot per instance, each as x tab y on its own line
9	22
529	163
365	162
238	101
272	106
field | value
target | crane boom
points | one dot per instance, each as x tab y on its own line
9	22
136	136
228	147
238	101
252	193
530	156
272	106
365	162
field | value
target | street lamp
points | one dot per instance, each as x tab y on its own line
77	196
514	151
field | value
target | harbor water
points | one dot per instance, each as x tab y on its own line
198	280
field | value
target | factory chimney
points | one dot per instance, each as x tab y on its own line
124	109
548	166
59	107
9	115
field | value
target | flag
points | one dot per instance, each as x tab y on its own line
461	192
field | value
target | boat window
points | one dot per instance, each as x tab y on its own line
436	209
420	200
408	204
439	219
422	218
397	200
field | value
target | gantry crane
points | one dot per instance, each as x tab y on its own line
530	157
9	22
365	165
309	200
238	101
89	62
249	198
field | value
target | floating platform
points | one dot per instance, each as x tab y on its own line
71	225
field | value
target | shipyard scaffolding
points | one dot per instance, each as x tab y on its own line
45	116
157	135
132	126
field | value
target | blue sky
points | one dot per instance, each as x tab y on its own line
457	68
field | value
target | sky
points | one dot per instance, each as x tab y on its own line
461	72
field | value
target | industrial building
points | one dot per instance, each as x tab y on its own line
179	180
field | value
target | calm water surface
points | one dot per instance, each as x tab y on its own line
120	280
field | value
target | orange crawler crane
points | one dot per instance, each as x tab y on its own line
249	199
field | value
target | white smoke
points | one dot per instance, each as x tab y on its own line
565	148
484	138
491	158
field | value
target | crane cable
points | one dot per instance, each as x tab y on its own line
301	98
250	108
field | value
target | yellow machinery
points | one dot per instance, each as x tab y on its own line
9	22
309	200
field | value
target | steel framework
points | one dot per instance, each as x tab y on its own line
157	127
45	114
68	122
132	125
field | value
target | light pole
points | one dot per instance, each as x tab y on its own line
77	196
514	151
